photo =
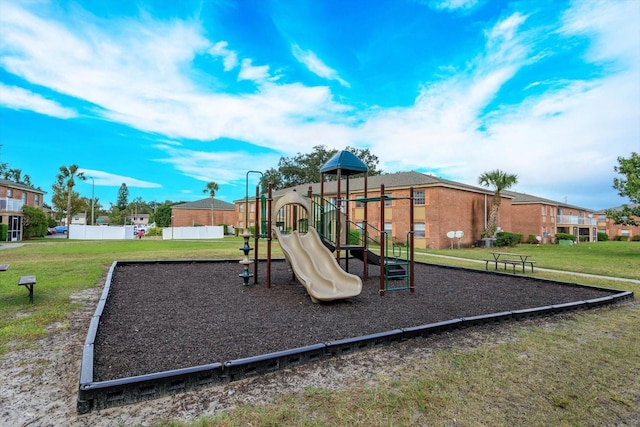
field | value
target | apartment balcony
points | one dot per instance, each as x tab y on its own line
10	205
575	220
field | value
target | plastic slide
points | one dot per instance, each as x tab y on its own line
315	267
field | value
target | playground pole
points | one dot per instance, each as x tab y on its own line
256	236
269	236
382	241
365	229
410	243
246	198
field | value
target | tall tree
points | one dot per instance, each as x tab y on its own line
500	181
122	202
66	177
15	175
305	168
628	186
163	215
211	188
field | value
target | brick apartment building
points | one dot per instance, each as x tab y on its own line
537	216
606	225
13	196
198	213
441	206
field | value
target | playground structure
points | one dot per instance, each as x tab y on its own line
311	260
299	223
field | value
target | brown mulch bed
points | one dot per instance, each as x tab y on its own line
165	316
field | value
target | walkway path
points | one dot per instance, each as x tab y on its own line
10	245
620	279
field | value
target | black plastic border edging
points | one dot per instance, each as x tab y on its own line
104	394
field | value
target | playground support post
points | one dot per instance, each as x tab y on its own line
256	237
246	197
382	241
411	241
269	234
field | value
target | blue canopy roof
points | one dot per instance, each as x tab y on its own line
347	162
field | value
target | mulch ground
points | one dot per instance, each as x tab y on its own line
164	316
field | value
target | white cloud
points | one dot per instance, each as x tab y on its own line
134	72
107	179
453	4
17	98
569	134
229	58
611	26
251	72
223	167
315	65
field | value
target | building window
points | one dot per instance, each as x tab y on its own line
359	204
240	208
37	199
418	197
388	228
387	199
252	207
24	198
624	232
9	192
602	218
419	229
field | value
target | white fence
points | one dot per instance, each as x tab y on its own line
206	232
101	232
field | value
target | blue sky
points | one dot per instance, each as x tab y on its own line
166	96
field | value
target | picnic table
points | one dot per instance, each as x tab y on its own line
509	258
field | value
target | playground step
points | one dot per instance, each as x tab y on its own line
395	271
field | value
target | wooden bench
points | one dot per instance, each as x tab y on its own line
28	282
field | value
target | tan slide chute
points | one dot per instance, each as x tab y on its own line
312	263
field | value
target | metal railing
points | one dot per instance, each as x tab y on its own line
575	220
11	205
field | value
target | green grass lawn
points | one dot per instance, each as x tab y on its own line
584	371
618	259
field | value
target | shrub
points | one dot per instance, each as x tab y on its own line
565	236
354	237
621	238
602	236
504	238
155	231
35	222
532	238
4	232
636	238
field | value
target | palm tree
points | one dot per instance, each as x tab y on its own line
211	188
66	177
500	181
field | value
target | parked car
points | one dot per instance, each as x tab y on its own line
61	229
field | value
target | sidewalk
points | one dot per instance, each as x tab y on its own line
620	279
9	245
